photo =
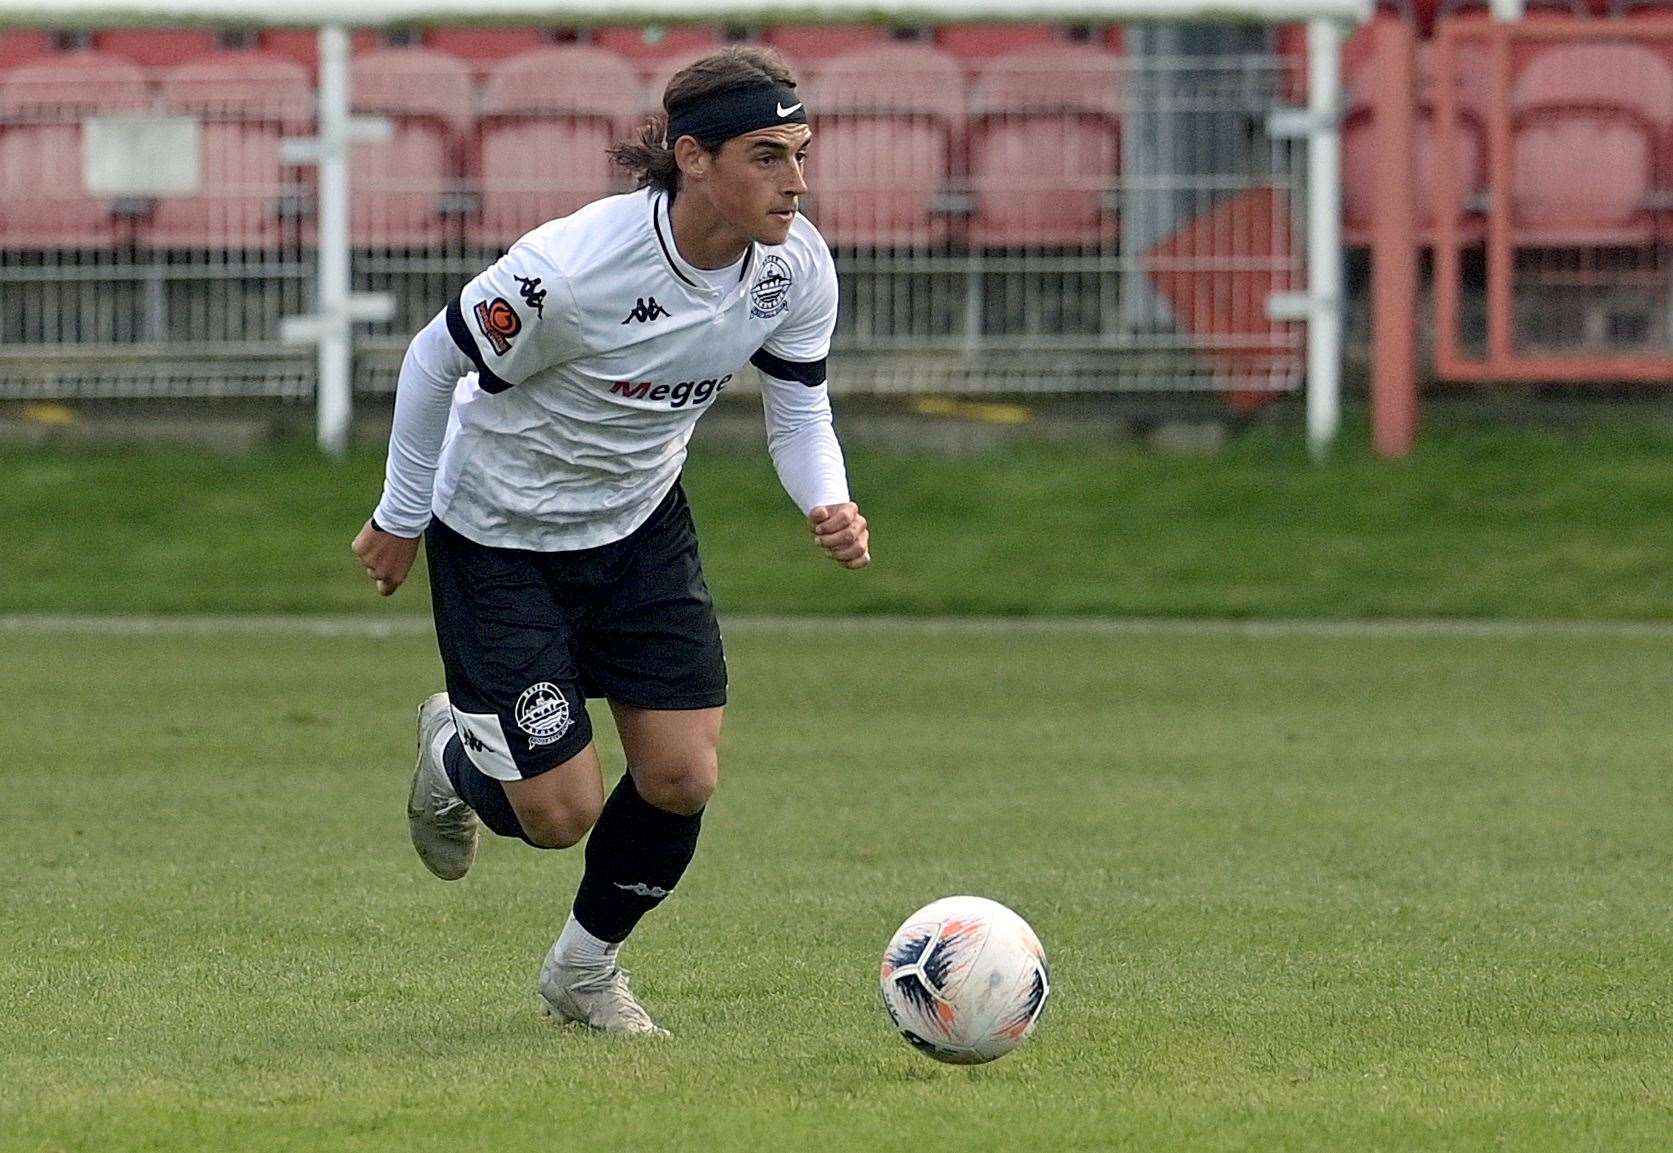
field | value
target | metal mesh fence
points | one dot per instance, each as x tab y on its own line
1062	217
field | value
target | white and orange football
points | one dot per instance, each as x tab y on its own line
965	980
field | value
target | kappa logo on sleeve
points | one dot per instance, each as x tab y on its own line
528	287
499	322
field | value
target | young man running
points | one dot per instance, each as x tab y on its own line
541	423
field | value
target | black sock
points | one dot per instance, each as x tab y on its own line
481	792
635	856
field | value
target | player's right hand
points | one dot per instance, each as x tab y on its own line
386	557
843	533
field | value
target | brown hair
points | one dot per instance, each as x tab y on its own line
648	154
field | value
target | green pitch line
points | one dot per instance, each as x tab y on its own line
1301	892
1480	524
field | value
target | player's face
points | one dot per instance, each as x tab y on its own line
758	181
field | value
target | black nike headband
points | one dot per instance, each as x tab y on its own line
715	119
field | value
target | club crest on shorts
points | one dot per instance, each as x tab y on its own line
543	714
770	294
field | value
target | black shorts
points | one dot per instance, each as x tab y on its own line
526	637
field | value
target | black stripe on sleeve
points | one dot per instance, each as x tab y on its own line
809	372
461	334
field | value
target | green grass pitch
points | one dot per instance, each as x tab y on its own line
1300	892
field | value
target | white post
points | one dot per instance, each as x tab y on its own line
334	403
331	324
1324	236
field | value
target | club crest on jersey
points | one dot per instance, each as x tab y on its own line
499	322
543	714
769	295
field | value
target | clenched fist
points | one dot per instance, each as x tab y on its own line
843	533
386	557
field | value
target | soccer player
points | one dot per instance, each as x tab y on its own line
541	423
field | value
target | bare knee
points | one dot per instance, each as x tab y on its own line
682	786
558	826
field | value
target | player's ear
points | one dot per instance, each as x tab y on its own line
692	157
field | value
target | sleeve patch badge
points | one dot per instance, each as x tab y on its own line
499	322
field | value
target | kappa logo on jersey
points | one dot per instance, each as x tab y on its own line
646	308
471	741
499	322
693	392
543	714
533	295
769	295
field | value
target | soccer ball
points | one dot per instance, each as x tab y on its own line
965	979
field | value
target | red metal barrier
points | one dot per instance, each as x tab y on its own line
1503	356
1394	244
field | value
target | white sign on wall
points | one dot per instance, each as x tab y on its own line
140	156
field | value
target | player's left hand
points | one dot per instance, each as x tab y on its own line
843	533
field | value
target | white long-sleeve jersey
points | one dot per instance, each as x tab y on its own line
548	407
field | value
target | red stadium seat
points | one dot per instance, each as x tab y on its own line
814	43
481	47
1469	160
1531	9
975	42
885	120
157	47
247	103
1045	147
646	45
1597	109
42	199
664	70
1521	50
21	47
548	118
401	186
1357	48
302	44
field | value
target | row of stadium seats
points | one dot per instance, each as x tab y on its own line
1602	109
645	46
1023	152
1034	136
1425	15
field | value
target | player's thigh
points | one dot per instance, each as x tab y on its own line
652	641
508	651
672	753
557	807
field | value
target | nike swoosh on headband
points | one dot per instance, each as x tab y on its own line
783	111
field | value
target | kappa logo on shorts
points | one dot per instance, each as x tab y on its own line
499	322
543	714
769	295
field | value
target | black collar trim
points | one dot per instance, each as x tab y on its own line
656	223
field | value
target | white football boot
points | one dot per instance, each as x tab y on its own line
443	827
597	996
